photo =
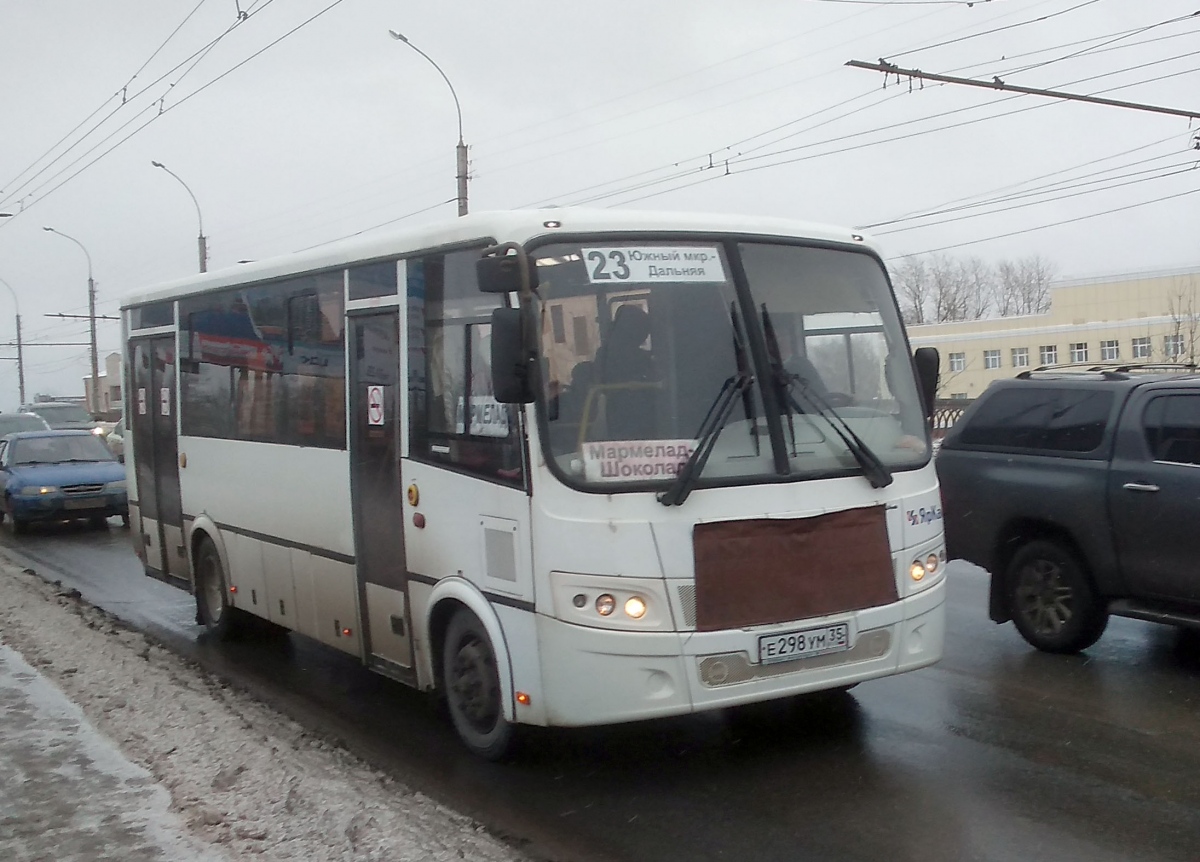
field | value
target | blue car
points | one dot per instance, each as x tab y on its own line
59	475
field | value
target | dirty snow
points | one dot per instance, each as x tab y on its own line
191	769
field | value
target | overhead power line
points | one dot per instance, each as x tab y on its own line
997	84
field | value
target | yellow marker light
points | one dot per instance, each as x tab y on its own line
523	698
931	563
917	570
605	605
635	607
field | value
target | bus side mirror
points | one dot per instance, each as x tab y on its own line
501	273
511	361
926	360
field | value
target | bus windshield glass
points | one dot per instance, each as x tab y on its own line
648	350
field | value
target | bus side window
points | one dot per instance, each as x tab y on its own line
454	418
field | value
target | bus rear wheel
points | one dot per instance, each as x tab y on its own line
214	612
471	681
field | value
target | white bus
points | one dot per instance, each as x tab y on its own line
564	467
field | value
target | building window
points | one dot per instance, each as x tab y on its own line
1173	346
1141	348
1020	357
557	324
991	359
958	362
1079	351
1048	354
1110	350
583	344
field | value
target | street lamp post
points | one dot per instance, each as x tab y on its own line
460	152
202	242
20	355
95	393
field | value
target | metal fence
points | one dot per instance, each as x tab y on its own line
946	413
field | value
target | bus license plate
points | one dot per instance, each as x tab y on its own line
786	646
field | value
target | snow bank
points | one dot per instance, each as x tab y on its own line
242	777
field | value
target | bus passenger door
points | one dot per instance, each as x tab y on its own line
377	493
152	423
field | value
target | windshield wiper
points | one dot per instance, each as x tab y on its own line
743	367
710	430
875	471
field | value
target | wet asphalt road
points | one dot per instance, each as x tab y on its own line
996	753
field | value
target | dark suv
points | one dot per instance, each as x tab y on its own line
1079	491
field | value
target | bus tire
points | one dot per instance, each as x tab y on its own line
471	682
213	610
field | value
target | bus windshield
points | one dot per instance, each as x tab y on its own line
646	346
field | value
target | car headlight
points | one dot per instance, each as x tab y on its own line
37	490
98	431
119	485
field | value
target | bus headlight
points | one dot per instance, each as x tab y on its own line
917	570
931	563
620	602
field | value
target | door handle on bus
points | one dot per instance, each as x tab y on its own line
1139	486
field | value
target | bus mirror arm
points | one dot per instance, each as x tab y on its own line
505	268
512	358
926	360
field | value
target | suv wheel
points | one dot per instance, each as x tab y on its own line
1053	603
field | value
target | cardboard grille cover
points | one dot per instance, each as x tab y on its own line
771	570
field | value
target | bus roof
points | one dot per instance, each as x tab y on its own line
503	226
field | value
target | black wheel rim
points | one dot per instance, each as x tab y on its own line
473	684
1044	600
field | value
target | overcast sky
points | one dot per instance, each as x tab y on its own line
293	137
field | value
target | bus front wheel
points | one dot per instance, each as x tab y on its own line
214	612
471	681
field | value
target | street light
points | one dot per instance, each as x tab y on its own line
203	243
20	356
460	151
95	399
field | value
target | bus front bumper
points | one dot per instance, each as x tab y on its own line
596	676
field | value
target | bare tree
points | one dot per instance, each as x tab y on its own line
911	280
939	289
949	300
978	286
1023	286
1184	331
